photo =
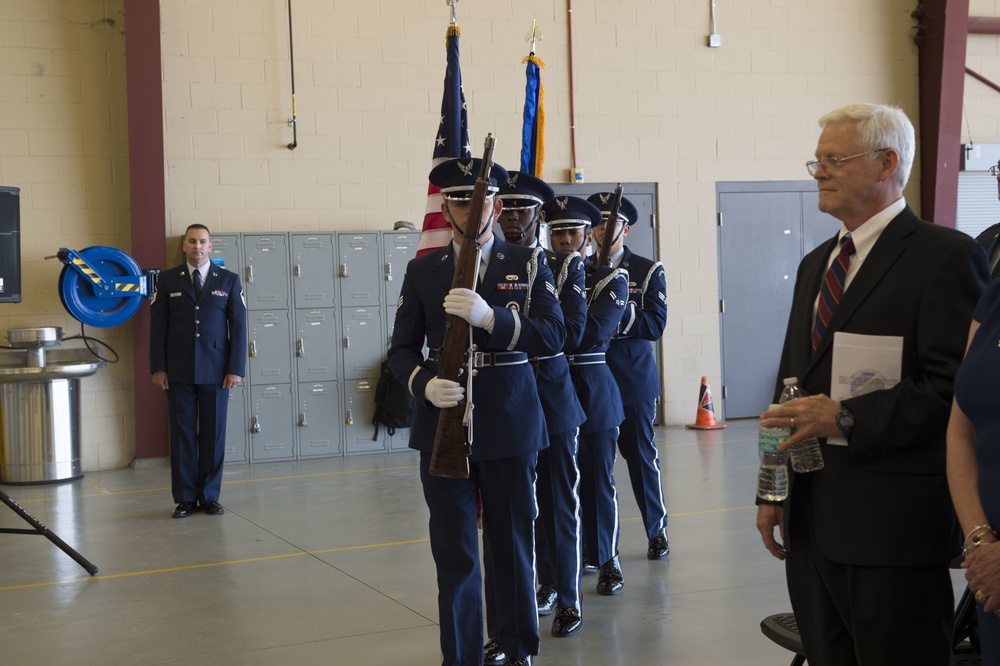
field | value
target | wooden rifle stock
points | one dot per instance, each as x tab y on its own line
450	456
604	255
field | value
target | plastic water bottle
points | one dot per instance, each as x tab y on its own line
806	456
772	479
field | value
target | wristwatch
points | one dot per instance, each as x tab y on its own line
845	421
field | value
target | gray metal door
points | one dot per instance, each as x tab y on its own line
313	260
320	419
271	438
363	342
269	339
360	269
316	348
266	274
765	230
359	407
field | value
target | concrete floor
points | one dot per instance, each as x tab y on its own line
328	562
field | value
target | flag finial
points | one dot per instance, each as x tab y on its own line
454	16
534	35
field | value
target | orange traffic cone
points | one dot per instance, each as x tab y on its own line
705	419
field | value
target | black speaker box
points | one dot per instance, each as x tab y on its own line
10	245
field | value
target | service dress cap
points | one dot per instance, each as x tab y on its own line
522	190
568	211
626	212
456	178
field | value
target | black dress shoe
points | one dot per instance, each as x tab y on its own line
184	509
213	508
567	622
610	580
546	599
658	546
590	568
493	654
522	661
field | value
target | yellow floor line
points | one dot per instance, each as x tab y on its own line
266	558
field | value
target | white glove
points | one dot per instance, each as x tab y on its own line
471	307
443	392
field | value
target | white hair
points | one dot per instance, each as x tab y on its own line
880	126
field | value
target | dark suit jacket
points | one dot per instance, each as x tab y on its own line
198	340
518	284
990	239
883	500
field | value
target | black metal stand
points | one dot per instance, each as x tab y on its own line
45	532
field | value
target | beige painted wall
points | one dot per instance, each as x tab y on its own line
653	103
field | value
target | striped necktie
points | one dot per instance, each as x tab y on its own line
199	281
832	289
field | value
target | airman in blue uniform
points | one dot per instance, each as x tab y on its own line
570	221
515	314
557	530
630	358
197	352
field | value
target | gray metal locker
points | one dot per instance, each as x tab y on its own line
359	408
390	321
269	341
227	252
266	274
360	269
313	270
398	247
401	440
317	345
320	420
271	432
363	342
236	426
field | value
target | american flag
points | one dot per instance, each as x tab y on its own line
452	141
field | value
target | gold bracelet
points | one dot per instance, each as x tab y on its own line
978	531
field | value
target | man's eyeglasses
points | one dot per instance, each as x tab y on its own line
993	170
835	163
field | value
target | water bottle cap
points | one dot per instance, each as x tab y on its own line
791	381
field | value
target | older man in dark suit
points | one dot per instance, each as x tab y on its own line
197	352
869	537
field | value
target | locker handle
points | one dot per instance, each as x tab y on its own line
254	424
388	272
300	347
297	272
302	420
249	274
347	342
350	419
253	348
343	270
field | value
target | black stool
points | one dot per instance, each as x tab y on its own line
781	629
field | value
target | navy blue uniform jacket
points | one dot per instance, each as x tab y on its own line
630	356
507	419
198	340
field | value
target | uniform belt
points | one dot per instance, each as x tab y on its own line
487	359
586	359
498	359
545	358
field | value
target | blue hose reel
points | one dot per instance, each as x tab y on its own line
102	286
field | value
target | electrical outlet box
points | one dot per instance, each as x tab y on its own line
714	41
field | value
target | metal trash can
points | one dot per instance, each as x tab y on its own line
40	409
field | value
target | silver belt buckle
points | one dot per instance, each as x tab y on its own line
478	358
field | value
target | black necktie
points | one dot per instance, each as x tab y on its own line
199	281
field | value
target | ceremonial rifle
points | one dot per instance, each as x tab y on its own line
604	255
450	456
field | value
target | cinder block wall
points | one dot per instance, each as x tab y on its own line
652	103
